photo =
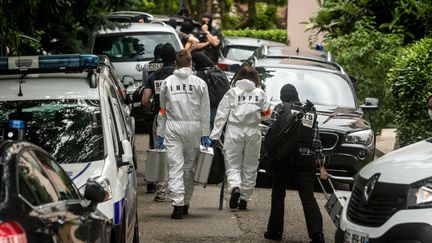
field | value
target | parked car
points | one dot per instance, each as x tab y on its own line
130	49
40	203
391	199
347	137
235	49
72	109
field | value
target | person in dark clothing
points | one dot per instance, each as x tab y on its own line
210	38
189	41
151	89
301	166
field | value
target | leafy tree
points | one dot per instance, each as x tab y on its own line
368	54
410	82
63	26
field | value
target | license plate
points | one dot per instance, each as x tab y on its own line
355	237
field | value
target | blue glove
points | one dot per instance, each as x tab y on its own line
206	141
160	142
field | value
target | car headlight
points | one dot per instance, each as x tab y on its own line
364	137
420	194
106	185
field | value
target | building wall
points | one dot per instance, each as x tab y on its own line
300	11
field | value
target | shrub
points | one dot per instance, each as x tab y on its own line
368	54
410	82
279	35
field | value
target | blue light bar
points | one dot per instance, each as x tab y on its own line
48	64
18	124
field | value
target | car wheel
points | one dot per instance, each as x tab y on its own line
136	230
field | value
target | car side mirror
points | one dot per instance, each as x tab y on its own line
128	80
94	192
370	104
127	156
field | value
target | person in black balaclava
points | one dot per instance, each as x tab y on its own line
210	37
302	166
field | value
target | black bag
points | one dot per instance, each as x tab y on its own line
218	85
284	135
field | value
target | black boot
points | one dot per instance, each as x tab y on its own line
185	209
317	237
243	204
177	212
271	235
234	200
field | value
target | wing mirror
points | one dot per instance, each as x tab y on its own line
370	104
94	192
128	80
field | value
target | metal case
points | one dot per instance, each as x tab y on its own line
203	166
156	167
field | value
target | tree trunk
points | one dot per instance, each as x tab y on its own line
251	15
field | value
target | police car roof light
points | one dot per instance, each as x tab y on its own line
18	124
48	64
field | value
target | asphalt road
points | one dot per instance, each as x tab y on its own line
205	223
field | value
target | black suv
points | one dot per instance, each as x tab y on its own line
346	135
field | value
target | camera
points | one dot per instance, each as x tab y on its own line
201	36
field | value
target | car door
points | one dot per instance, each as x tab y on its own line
130	189
45	185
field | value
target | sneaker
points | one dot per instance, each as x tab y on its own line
177	212
318	237
160	197
242	204
271	235
234	200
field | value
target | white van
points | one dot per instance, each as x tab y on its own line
392	199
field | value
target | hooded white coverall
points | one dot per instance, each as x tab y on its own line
184	117
242	108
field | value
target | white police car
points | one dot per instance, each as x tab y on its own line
72	109
392	199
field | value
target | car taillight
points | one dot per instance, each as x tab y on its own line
223	66
12	232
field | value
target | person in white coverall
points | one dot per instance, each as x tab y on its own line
242	109
183	119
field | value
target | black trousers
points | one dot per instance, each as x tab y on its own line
302	170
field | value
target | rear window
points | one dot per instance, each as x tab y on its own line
124	47
70	130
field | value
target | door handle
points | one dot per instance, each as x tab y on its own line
130	168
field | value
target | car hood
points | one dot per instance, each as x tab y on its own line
403	166
80	172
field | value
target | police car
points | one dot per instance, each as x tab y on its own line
391	200
72	109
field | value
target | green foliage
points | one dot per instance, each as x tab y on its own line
279	35
368	54
410	82
265	16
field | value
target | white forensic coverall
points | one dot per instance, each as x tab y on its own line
242	108
184	117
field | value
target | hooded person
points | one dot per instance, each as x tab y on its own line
302	166
241	109
210	38
183	119
165	54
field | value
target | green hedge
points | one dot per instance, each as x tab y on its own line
279	35
410	82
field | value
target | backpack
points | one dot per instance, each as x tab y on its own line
218	85
283	136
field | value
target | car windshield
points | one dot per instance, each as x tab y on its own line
239	53
124	47
321	88
70	130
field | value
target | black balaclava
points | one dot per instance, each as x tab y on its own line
172	22
158	51
289	93
168	53
210	22
186	27
201	60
